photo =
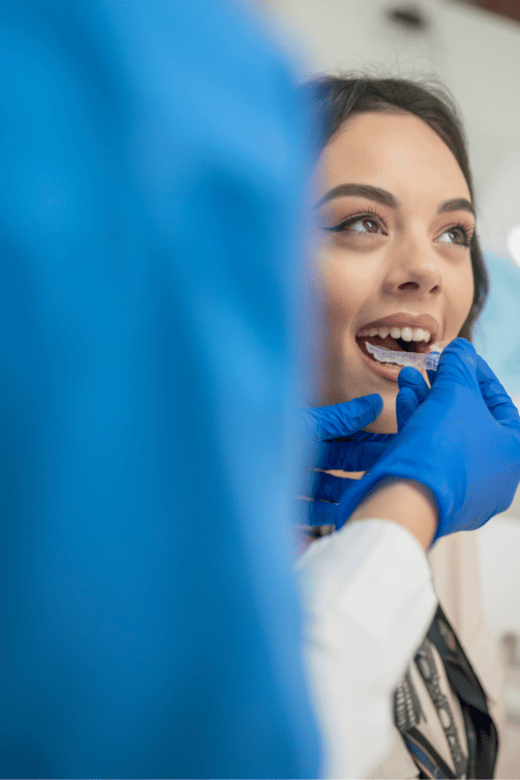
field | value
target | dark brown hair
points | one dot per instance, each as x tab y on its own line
339	98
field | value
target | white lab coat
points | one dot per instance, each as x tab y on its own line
369	598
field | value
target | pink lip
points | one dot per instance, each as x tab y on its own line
403	320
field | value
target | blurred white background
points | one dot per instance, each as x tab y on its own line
476	54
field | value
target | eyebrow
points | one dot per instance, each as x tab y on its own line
363	191
387	199
456	204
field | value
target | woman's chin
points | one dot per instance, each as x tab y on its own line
385	423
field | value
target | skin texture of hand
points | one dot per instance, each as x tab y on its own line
406	502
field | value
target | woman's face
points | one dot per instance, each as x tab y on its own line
396	220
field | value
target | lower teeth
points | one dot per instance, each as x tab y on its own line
428	360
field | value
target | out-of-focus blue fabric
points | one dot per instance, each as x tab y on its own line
151	165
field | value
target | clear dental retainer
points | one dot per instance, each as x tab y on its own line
417	360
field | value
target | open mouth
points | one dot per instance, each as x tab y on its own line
395	345
395	339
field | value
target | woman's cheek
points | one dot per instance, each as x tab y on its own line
346	289
462	300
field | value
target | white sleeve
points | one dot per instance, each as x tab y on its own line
369	599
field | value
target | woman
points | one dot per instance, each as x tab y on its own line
402	270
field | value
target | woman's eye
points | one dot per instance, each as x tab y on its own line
362	225
455	235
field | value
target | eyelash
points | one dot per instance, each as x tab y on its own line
368	214
466	230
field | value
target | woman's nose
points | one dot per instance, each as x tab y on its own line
415	274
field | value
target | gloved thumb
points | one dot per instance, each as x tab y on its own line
405	405
339	420
457	366
412	392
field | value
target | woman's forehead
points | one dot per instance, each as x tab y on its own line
396	150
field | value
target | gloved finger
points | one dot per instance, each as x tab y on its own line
363	411
497	400
413	391
413	379
433	374
405	405
457	365
327	487
337	420
358	452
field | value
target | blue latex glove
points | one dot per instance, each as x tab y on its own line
360	451
462	442
412	392
326	423
334	429
345	446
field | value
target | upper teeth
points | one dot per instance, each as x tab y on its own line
406	333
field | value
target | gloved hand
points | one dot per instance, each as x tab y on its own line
344	445
333	430
462	442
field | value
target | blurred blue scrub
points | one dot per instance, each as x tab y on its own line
151	165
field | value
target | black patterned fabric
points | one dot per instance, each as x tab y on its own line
480	731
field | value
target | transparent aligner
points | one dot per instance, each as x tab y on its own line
418	360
